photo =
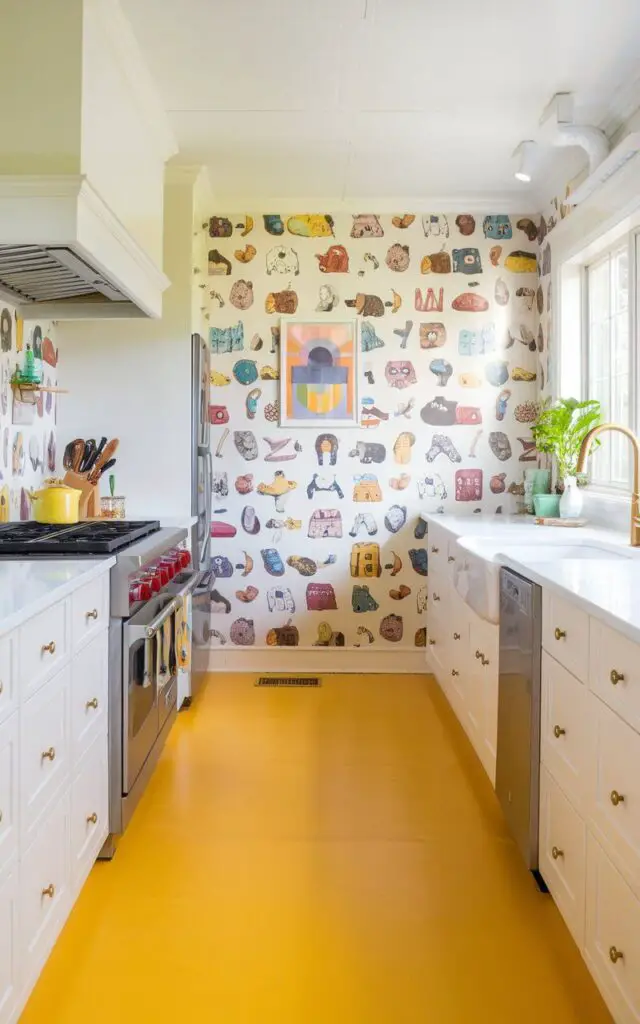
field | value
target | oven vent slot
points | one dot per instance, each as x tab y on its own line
288	681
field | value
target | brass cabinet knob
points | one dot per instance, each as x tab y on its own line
616	677
49	755
50	891
0	815
454	672
555	853
436	597
92	819
456	636
558	731
434	551
616	798
615	955
451	558
1	686
560	634
49	648
93	703
92	614
479	655
431	642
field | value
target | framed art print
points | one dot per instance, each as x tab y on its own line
319	373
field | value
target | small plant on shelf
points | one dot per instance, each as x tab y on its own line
560	429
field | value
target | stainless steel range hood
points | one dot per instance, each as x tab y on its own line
65	255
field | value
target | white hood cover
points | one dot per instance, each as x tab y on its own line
65	255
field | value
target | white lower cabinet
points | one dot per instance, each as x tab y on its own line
614	804
9	941
9	782
563	853
590	797
612	945
89	812
53	778
44	890
462	653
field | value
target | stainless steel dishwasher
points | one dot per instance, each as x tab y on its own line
518	754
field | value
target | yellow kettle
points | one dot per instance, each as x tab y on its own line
56	503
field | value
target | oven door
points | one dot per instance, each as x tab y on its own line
149	674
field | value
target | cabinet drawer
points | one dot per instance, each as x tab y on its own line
89	811
44	890
614	671
8	942
567	730
89	610
44	748
614	799
612	927
565	634
563	854
43	646
9	733
8	687
89	687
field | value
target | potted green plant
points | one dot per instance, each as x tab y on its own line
559	431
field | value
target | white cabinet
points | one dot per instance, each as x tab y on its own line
8	686
89	683
614	804
44	748
563	853
89	812
462	651
43	646
9	777
9	941
612	946
565	633
566	730
44	889
53	777
614	671
89	610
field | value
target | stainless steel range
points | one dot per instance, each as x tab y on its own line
150	584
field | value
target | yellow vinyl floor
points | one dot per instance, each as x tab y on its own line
331	856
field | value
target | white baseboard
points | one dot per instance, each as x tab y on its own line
319	660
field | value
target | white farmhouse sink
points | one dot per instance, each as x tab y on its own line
476	571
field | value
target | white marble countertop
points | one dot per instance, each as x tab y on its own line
608	589
28	587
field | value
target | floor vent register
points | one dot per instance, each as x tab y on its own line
288	681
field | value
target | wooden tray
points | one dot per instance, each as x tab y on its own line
568	523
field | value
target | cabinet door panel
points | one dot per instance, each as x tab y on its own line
567	730
563	854
565	634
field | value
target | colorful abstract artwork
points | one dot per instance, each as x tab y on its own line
319	378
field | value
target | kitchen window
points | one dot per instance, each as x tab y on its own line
599	343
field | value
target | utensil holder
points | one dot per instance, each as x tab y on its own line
90	496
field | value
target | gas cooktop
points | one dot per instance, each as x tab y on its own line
90	538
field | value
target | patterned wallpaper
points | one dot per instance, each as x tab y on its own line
27	433
316	539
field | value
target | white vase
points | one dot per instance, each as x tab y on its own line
571	500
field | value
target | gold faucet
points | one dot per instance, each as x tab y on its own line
635	496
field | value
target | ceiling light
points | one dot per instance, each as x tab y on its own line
525	154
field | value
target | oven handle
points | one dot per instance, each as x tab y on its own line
152	628
190	585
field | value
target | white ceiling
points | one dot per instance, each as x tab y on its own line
400	99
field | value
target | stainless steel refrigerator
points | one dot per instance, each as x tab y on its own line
201	498
200	453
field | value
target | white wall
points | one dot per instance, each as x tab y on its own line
132	380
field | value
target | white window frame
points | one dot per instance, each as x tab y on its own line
632	239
